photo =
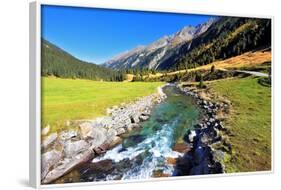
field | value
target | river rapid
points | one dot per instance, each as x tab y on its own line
145	153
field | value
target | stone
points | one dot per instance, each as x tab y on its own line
48	160
129	128
212	120
101	149
99	136
134	118
66	165
111	133
67	135
49	140
121	131
115	140
143	118
171	161
45	130
191	136
206	107
71	149
103	166
86	130
205	102
181	147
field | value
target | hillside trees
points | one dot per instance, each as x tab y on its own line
57	62
228	37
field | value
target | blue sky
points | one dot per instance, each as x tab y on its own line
96	35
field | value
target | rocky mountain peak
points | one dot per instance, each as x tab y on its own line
151	55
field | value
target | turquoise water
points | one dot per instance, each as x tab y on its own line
145	151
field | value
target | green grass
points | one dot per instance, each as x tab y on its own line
249	123
68	99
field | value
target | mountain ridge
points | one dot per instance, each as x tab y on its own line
192	46
150	55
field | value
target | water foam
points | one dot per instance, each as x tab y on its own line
158	145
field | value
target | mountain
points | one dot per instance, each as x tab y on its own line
219	38
228	37
154	54
59	63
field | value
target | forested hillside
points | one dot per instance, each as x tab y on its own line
57	62
228	37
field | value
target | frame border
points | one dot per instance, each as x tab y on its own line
35	90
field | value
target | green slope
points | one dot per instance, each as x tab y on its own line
57	62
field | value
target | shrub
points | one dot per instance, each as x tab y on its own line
213	68
201	82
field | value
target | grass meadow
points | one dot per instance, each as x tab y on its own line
250	123
75	99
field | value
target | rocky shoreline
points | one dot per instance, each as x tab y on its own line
206	141
62	152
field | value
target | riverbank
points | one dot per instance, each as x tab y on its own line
65	100
199	116
61	152
249	123
206	142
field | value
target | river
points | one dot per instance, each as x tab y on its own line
145	153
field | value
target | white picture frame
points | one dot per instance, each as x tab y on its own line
35	91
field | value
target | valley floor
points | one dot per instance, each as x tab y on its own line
248	124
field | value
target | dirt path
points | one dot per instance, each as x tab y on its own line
255	73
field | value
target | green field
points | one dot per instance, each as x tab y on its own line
249	123
69	99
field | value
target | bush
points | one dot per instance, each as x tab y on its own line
213	68
201	82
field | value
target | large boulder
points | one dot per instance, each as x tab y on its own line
48	160
99	136
71	149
